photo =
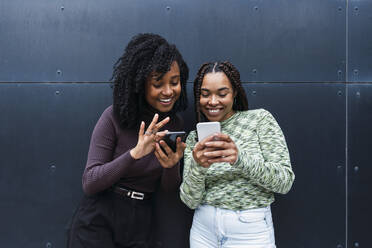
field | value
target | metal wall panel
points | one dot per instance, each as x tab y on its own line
79	41
359	41
44	138
45	135
312	117
359	169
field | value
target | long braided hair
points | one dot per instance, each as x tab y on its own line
144	54
240	100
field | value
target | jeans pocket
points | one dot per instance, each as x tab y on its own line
252	223
251	217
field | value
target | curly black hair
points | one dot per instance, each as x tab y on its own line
240	100
144	54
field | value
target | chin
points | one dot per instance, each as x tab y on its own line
213	118
165	109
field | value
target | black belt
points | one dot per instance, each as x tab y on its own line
131	193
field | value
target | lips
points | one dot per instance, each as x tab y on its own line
214	111
166	101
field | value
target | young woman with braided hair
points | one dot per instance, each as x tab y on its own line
230	177
125	160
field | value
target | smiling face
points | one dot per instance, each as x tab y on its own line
217	96
163	93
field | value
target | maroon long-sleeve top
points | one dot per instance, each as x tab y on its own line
109	160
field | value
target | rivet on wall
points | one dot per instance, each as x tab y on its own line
355	74
62	8
48	245
356	169
356	244
52	168
339	93
168	8
358	94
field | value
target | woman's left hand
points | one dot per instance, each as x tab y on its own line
170	158
225	149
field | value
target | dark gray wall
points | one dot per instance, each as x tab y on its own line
268	40
311	64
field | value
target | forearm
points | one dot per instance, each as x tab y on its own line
193	186
100	175
277	177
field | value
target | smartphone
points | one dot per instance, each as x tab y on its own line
171	139
205	129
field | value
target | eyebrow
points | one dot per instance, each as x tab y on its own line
158	78
220	89
175	76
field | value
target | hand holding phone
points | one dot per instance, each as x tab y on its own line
170	159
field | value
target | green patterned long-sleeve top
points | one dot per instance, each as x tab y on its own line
263	166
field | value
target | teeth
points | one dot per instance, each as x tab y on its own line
165	100
213	110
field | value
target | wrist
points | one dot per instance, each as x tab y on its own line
135	154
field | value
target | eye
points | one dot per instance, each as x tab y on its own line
175	83
222	95
156	86
204	94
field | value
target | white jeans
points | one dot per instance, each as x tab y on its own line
221	228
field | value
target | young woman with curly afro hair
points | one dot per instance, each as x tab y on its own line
127	158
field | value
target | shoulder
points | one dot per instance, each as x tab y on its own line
255	114
108	112
251	119
107	118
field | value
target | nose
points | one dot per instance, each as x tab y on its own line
213	100
166	90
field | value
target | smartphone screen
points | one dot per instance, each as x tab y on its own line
171	139
205	129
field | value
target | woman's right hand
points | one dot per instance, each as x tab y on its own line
147	140
199	152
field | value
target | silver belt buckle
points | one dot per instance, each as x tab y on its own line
137	195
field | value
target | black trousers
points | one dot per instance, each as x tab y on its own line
108	220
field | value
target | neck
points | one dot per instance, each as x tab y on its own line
148	113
